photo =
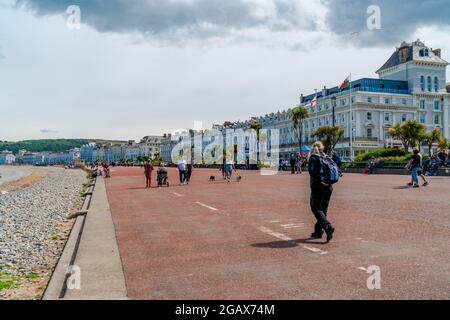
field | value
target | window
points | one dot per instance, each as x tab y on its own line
422	117
437	106
436	84
387	116
404	101
327	106
424	52
422	83
422	104
369	99
369	116
437	119
369	132
429	83
343	102
404	117
386	100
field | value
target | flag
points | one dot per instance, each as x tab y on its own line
312	103
345	84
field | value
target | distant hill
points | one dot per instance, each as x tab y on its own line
55	145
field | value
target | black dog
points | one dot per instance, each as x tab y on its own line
239	179
212	178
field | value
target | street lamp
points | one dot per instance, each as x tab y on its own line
333	105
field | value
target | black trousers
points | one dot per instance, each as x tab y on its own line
182	176
319	201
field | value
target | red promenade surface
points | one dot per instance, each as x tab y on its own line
250	240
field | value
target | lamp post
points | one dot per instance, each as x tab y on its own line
333	105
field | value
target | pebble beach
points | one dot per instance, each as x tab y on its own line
33	225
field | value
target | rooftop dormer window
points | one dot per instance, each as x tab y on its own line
424	52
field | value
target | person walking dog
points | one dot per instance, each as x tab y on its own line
323	172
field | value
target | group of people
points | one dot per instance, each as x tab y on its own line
417	168
100	169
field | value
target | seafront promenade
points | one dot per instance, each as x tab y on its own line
250	240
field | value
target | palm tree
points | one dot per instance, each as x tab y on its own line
329	136
443	144
396	132
431	137
410	133
413	131
255	125
298	115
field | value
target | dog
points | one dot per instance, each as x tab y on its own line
212	178
239	179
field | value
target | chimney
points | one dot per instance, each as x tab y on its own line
324	91
403	53
437	52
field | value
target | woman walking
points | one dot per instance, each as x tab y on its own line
320	193
414	166
148	168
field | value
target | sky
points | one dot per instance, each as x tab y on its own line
142	67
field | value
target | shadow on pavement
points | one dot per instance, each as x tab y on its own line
288	244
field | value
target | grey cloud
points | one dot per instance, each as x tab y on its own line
399	19
178	21
194	18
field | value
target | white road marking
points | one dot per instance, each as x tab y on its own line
275	234
178	195
286	238
362	268
293	227
274	221
315	250
206	206
287	225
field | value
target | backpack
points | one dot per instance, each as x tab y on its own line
329	170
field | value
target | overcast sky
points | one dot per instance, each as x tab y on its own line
140	67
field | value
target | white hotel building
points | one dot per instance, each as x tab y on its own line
411	85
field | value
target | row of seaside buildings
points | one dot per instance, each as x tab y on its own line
411	84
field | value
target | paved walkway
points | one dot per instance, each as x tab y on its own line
250	240
98	256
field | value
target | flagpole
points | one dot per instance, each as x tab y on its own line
351	120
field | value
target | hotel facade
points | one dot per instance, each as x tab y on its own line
411	85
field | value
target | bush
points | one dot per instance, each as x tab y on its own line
383	154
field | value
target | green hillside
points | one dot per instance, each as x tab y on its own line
56	145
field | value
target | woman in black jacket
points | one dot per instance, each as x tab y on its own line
320	194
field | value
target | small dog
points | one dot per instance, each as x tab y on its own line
239	179
212	178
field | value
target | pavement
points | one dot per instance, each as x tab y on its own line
97	260
250	239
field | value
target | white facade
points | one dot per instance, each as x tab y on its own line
7	157
411	85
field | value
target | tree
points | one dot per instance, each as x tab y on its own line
396	132
413	132
255	125
329	136
431	137
443	144
410	133
298	115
